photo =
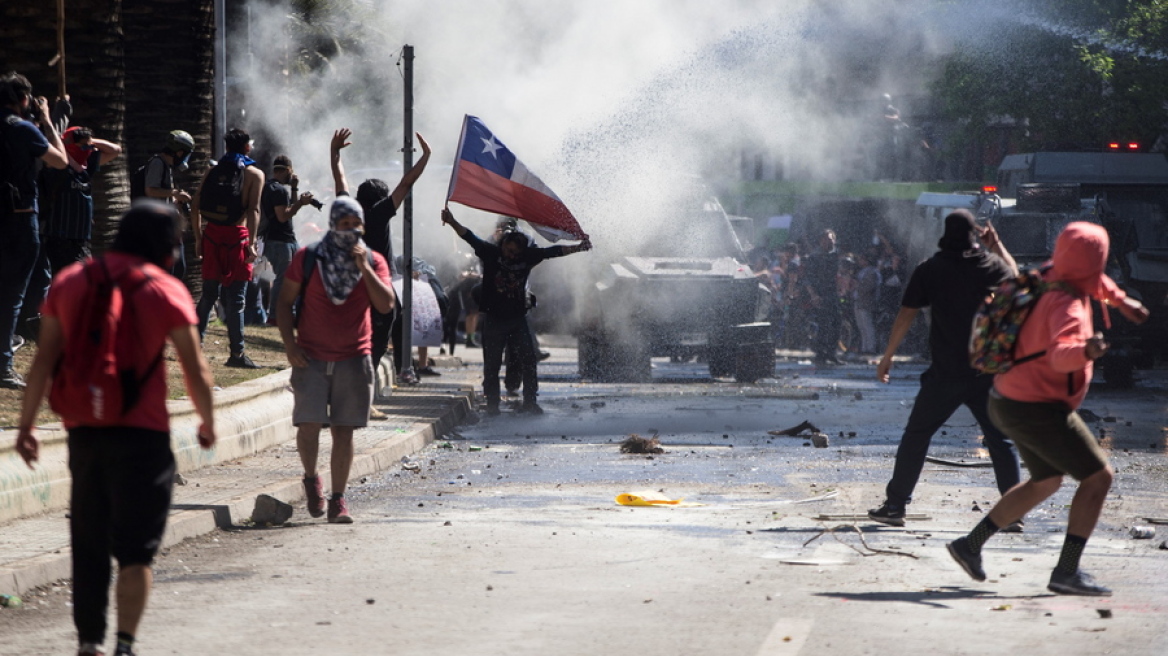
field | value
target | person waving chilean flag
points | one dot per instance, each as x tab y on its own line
488	177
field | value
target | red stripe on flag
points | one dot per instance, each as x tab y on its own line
481	189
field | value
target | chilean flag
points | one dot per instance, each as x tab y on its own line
488	177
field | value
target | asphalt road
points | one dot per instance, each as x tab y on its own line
506	539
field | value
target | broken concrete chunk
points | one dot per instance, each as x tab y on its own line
270	510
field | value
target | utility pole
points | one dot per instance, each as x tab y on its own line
407	367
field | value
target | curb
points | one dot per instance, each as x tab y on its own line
196	520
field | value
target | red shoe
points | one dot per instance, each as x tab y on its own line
338	511
314	495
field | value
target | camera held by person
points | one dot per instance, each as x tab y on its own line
296	193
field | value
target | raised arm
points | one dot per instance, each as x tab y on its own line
339	141
989	239
448	219
55	156
411	176
108	149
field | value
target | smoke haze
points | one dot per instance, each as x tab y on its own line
620	107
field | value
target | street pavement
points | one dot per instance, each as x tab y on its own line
503	536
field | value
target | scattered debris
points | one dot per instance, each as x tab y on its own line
650	498
409	465
370	601
859	396
270	510
1156	520
10	601
1104	613
1088	416
860	534
1002	607
852	518
597	404
958	463
819	441
179	479
636	444
795	431
1143	532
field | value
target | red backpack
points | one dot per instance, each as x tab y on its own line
96	382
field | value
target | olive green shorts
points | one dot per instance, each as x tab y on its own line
1051	438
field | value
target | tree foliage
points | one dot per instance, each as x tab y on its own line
1067	74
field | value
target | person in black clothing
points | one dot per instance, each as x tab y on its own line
952	283
819	282
379	206
506	267
279	202
23	145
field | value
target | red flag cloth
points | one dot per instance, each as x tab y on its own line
488	177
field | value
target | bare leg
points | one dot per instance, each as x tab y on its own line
1088	502
423	357
342	457
472	323
308	445
1022	498
133	589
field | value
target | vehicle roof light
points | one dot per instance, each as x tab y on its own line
989	189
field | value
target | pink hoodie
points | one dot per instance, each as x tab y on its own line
1060	323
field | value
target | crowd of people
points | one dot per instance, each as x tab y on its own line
829	301
337	311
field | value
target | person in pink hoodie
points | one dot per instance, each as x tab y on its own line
1035	404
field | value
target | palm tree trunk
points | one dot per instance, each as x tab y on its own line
169	72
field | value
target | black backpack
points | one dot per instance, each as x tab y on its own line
221	198
138	180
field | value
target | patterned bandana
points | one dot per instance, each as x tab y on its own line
334	252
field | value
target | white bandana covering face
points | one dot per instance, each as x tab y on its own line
334	252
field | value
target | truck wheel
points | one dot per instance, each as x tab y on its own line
721	360
604	358
754	361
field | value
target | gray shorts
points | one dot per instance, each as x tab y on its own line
333	393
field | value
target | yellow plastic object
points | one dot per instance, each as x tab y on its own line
645	498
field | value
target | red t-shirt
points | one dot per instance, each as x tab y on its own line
327	331
162	304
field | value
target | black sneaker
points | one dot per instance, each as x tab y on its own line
1076	583
241	361
969	561
428	371
492	409
471	342
543	355
513	393
12	380
530	408
887	514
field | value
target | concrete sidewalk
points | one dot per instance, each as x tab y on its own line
34	550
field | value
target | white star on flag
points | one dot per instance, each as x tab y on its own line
491	146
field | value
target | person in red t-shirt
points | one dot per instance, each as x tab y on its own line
122	475
329	347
